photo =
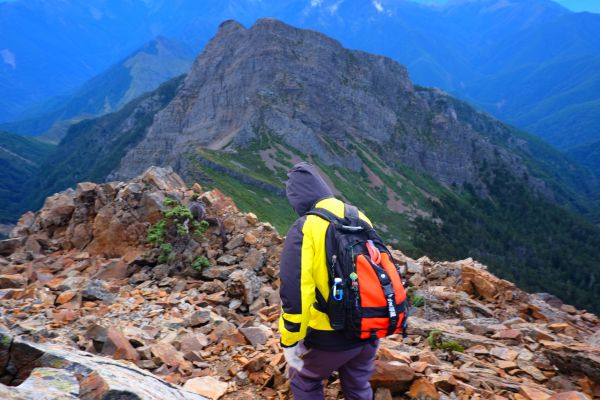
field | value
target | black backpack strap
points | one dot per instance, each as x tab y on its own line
350	223
325	214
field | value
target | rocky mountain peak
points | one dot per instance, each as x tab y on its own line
300	85
305	90
173	311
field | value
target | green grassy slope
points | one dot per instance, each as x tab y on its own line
20	159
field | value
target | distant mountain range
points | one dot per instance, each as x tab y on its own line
141	72
436	176
532	63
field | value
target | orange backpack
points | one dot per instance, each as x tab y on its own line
366	298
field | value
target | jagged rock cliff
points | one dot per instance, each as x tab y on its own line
320	98
79	276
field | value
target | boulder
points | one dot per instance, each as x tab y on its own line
9	246
585	360
244	284
478	281
118	346
163	178
392	375
532	393
99	377
257	335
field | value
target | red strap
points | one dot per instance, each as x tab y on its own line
374	253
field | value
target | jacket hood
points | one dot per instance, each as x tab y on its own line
305	188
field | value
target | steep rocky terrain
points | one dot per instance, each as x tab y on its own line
84	275
442	178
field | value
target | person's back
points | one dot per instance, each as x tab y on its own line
312	348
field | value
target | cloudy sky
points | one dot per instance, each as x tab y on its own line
575	5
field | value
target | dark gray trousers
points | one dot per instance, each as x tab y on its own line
355	367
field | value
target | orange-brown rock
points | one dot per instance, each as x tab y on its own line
66	296
118	346
422	389
169	355
476	280
208	386
569	396
391	375
532	393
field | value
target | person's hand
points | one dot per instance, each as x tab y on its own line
292	356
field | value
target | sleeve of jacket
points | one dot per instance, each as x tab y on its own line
297	289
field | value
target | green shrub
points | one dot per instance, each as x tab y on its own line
199	228
166	253
414	299
435	342
200	263
173	231
156	233
417	300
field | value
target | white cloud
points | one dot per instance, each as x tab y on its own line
378	6
334	7
9	58
316	3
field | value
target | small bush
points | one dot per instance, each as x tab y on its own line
200	263
166	253
435	342
172	233
156	233
199	228
414	299
417	301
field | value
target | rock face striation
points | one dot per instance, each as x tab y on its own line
87	313
306	89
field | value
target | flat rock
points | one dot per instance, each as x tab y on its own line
55	382
257	335
208	386
569	396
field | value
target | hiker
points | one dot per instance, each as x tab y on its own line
310	294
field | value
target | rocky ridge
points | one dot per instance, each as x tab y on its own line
87	307
320	98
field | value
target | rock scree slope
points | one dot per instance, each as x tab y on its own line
92	308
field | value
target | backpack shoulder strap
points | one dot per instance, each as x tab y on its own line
325	214
350	215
